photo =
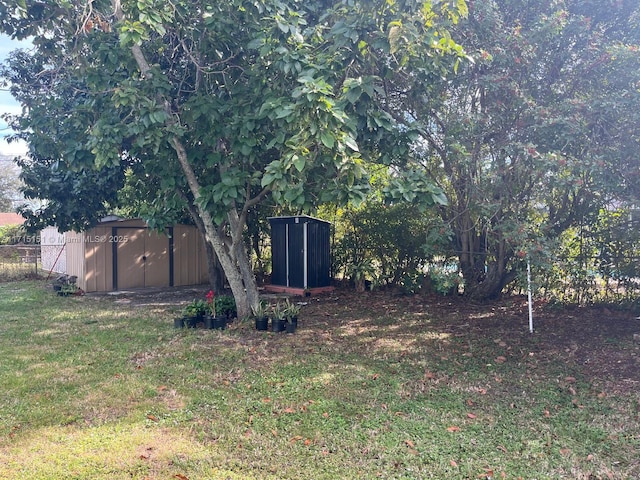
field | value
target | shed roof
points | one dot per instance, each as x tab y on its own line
304	218
11	218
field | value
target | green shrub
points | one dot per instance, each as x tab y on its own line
226	305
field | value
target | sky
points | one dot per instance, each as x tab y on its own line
7	102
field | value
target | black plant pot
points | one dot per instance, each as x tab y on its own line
191	322
219	323
208	322
178	322
294	320
291	327
277	325
262	323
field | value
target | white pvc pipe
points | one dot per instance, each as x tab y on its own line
530	296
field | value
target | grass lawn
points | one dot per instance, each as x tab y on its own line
371	386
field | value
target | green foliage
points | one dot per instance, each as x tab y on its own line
388	244
11	234
226	305
595	262
444	278
218	107
534	137
197	308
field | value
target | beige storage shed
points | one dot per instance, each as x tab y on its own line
120	254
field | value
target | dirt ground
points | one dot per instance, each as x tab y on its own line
603	341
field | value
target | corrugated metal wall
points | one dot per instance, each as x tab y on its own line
288	247
190	256
318	255
279	253
98	260
142	257
74	245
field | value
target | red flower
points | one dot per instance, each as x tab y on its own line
211	302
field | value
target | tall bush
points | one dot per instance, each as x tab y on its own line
388	245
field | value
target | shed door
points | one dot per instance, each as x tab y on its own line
156	271
296	255
142	258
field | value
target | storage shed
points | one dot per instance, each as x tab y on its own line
300	254
120	254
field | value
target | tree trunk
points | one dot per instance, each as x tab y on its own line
231	259
215	273
245	292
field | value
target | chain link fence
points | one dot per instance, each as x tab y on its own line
19	262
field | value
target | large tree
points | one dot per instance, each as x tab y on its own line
224	103
537	135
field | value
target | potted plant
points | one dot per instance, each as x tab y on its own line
277	317
65	285
262	316
68	289
292	310
194	312
226	306
212	317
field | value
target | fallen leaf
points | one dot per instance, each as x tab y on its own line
470	403
289	410
429	375
602	395
162	388
565	451
325	415
274	432
266	400
471	415
501	359
307	442
501	448
180	476
153	418
375	376
453	463
570	379
409	443
453	428
546	413
295	439
572	391
589	458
